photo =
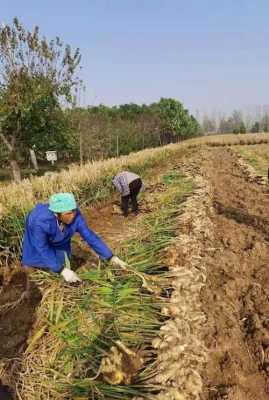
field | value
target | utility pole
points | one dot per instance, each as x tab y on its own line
80	144
117	145
81	154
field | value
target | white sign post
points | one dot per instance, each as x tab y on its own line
51	156
33	159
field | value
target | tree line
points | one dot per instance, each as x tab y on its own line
111	131
236	123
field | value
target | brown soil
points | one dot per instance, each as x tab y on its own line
235	297
107	219
18	300
108	222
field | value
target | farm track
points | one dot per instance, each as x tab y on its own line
235	298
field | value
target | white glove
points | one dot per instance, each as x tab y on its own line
117	262
70	276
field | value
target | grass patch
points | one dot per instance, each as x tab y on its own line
257	156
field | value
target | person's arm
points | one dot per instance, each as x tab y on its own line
46	253
93	240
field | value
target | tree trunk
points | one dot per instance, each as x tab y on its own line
81	155
12	157
16	172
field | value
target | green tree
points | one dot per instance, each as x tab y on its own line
256	127
265	123
237	119
36	77
176	123
233	124
226	125
209	125
111	131
242	128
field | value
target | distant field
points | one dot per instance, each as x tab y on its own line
256	155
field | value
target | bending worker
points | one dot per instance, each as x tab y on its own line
129	185
48	232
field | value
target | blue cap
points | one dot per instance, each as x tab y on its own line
62	202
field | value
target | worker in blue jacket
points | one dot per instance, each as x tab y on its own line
48	232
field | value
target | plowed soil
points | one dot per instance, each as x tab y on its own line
18	301
235	298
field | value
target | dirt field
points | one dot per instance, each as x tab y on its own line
235	298
18	301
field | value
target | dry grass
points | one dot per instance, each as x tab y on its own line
91	181
233	140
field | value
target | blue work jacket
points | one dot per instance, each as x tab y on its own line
44	243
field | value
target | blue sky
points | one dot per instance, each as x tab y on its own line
211	55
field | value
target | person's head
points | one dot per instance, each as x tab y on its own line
64	206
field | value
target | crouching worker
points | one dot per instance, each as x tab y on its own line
48	232
129	185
